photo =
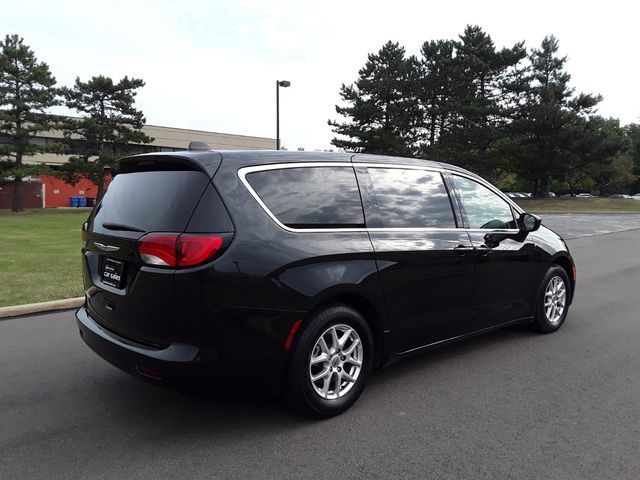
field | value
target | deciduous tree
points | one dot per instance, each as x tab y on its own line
608	164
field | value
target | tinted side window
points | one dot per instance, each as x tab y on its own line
311	197
483	207
411	198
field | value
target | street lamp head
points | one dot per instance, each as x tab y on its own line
284	83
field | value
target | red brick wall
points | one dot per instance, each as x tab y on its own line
57	192
31	195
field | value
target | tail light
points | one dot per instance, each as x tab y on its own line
178	250
195	249
84	232
159	249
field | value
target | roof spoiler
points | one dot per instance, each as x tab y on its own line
206	161
198	146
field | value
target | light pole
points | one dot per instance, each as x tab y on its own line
284	84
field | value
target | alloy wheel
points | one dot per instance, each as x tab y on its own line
555	298
336	361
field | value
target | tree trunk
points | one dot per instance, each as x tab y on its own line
16	204
542	186
434	119
603	188
432	130
100	181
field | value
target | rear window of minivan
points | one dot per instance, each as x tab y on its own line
151	201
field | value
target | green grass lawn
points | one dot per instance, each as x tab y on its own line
577	205
40	249
40	255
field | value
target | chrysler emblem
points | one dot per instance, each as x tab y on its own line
106	248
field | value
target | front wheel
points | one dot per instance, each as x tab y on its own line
553	301
330	362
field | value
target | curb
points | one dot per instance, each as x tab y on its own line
17	310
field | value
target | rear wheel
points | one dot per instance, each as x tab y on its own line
552	304
330	362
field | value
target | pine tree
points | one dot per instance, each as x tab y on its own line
548	117
382	112
27	91
439	77
632	132
487	80
108	123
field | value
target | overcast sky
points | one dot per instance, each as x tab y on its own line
212	65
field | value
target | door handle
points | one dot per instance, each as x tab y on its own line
463	249
485	250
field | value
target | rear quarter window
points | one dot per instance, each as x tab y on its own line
310	197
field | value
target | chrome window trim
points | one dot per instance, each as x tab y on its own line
244	171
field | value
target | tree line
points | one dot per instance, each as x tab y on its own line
107	119
508	114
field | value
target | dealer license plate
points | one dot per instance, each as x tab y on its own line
113	272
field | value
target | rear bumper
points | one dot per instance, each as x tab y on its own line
253	359
174	364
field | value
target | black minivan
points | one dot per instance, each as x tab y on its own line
300	272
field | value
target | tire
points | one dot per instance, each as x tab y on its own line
320	399
546	319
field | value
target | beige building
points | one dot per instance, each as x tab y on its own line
166	139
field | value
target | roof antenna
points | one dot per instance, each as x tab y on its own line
198	146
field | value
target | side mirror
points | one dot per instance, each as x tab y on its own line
529	222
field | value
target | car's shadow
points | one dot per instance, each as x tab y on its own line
230	410
422	362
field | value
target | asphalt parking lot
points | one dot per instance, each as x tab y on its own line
510	404
574	225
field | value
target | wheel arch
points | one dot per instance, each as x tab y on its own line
369	312
568	266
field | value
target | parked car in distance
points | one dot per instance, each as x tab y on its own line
636	196
301	272
584	195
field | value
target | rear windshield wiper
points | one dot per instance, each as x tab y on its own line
119	226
